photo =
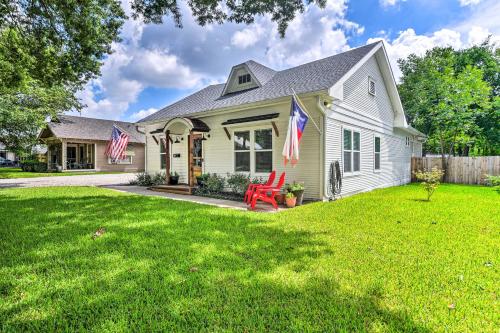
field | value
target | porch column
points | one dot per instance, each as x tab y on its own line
63	154
167	156
47	156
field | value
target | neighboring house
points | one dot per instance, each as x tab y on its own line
6	154
79	143
240	126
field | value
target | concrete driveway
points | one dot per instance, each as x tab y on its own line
83	180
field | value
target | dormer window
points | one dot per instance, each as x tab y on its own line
371	86
242	79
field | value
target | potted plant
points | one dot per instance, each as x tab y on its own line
280	198
174	178
298	191
290	199
200	180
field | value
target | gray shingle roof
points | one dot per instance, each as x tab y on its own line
74	127
314	76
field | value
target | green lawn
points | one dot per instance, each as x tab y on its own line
10	173
383	261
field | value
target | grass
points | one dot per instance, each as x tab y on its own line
383	261
11	173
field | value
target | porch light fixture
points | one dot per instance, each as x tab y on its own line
176	140
203	137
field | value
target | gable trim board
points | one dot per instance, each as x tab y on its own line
333	107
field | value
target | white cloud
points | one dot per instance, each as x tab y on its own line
391	3
469	2
142	114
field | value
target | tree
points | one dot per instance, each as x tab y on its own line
49	49
210	11
448	95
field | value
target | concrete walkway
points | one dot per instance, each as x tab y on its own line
261	207
78	180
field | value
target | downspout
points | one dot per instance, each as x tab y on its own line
320	106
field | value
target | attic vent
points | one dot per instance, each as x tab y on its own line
244	79
371	86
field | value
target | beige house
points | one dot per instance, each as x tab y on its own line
78	143
240	126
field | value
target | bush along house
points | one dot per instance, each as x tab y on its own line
79	144
240	126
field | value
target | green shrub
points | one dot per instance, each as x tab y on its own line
258	180
214	183
238	182
493	181
142	179
158	178
33	166
430	180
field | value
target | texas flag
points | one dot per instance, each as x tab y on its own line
296	125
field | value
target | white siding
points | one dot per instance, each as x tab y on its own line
356	93
218	150
371	116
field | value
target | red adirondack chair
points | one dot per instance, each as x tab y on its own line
267	193
251	187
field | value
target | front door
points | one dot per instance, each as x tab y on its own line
195	157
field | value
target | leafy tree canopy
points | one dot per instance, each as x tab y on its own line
452	96
210	11
49	49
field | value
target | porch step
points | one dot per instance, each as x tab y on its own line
176	189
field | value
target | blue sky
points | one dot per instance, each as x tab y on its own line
156	65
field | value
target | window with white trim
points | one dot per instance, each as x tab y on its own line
163	154
246	78
263	145
352	151
126	160
242	151
376	153
253	150
408	141
371	86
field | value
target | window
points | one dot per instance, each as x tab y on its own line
244	79
408	141
263	146
352	151
126	160
242	151
163	157
376	156
371	86
253	151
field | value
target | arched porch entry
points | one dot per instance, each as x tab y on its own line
184	148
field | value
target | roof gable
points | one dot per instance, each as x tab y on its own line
316	76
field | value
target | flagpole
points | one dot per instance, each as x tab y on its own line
305	110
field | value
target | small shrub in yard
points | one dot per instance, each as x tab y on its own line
33	166
430	180
158	178
214	183
142	179
493	181
238	182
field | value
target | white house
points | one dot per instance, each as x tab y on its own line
240	126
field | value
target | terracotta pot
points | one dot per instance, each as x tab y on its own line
290	202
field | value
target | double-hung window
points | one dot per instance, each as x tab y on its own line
352	151
163	153
242	151
253	151
376	153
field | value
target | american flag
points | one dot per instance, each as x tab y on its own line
117	144
296	126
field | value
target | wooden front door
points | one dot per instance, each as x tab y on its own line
195	158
